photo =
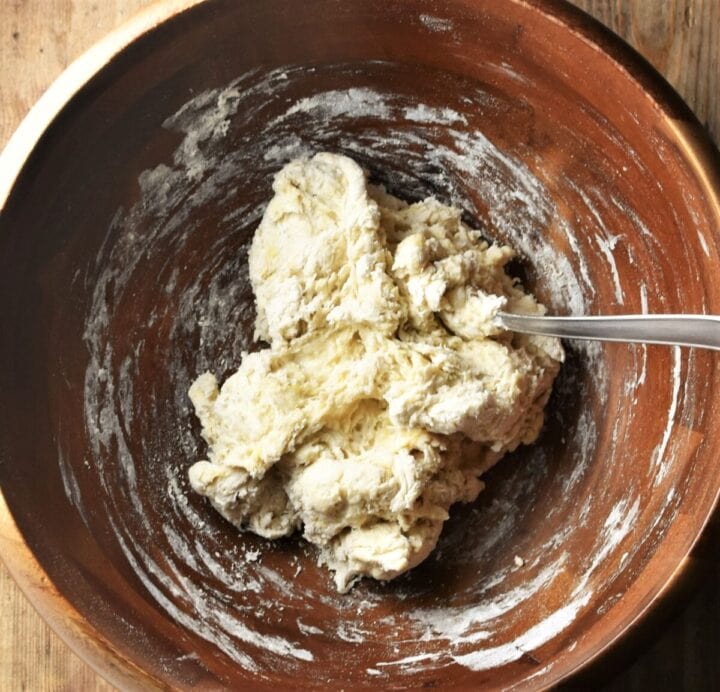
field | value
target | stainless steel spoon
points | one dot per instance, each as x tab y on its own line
702	331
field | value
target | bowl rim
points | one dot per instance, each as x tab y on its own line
55	609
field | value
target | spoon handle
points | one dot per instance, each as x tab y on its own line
702	331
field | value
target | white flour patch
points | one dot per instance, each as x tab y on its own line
308	629
439	116
588	284
410	663
535	637
644	308
660	462
703	243
617	525
363	103
350	632
634	217
436	24
606	241
508	70
607	245
635	383
71	487
585	434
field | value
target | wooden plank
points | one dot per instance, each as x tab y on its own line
40	37
681	38
32	657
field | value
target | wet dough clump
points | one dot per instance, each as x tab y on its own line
386	390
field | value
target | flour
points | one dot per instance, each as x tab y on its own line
660	461
618	524
436	24
308	629
495	657
439	116
703	244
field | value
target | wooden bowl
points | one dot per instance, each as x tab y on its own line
130	195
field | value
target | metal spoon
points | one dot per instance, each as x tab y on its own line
702	331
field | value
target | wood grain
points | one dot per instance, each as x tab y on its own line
38	39
680	37
32	656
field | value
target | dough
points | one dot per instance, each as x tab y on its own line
386	390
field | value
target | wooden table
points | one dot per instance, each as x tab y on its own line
680	37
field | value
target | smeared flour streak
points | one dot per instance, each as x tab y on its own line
661	463
536	636
436	24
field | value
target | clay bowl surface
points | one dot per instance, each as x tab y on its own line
123	275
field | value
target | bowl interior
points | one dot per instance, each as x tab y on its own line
123	253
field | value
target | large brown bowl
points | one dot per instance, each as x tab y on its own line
130	195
